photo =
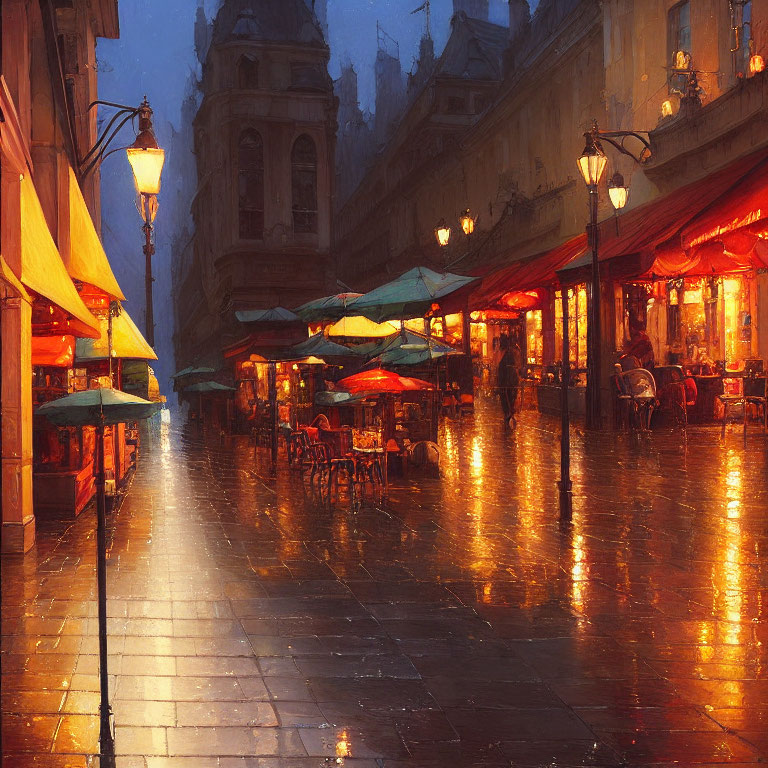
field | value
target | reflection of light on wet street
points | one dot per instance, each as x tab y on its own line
413	630
579	571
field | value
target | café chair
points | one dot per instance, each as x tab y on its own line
327	468
298	445
639	387
466	404
754	392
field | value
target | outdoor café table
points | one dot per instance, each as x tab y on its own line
379	455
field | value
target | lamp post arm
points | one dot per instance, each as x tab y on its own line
100	154
111	104
104	133
611	136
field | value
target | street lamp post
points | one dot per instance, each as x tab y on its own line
146	160
592	164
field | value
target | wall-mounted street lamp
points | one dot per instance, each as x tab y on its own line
617	191
467	222
442	233
146	159
592	164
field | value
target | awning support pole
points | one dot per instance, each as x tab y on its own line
566	500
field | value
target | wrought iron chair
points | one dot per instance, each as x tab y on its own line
639	390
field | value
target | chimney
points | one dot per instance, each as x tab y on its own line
519	18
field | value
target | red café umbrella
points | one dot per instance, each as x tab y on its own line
379	380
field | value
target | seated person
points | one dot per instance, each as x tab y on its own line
639	345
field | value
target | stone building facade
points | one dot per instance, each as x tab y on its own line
264	141
49	77
504	142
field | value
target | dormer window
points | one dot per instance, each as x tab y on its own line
247	73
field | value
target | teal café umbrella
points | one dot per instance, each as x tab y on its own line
410	295
99	407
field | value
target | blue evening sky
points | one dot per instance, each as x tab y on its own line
154	56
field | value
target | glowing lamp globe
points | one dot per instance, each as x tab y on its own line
756	64
467	222
147	165
145	157
617	191
592	161
442	233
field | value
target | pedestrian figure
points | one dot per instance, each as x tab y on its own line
508	378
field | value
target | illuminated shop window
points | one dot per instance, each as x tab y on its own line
535	337
577	325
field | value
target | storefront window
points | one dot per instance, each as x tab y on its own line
738	320
577	325
535	337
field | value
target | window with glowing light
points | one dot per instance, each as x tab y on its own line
250	178
534	337
304	184
678	40
577	326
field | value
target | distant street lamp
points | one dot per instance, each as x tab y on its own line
467	222
442	233
592	163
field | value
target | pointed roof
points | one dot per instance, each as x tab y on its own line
474	50
283	21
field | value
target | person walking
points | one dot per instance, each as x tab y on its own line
508	379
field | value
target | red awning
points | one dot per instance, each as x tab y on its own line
53	350
743	205
536	272
659	221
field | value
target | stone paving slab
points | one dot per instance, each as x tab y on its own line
462	624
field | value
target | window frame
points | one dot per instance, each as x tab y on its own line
247	212
304	181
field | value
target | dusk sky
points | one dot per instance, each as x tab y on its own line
155	56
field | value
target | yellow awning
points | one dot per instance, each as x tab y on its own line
86	259
42	269
127	342
359	326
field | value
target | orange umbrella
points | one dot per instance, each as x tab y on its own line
379	380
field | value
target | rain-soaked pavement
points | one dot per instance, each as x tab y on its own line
460	624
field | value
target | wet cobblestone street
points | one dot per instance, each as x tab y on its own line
459	624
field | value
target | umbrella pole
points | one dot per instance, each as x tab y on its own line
106	740
273	410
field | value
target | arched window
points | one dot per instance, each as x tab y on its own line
247	73
250	185
304	184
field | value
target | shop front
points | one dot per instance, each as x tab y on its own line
698	297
